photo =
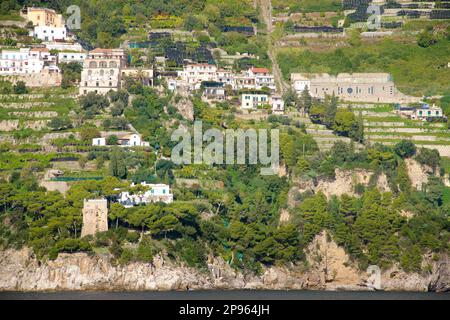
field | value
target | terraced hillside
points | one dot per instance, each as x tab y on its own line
325	138
27	116
382	124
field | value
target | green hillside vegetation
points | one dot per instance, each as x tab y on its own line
105	22
293	6
416	70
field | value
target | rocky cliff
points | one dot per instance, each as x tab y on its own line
328	268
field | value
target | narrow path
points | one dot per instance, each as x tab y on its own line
266	14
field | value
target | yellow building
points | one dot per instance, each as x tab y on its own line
44	17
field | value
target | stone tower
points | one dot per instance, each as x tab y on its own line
95	216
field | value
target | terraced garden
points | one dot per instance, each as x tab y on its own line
382	125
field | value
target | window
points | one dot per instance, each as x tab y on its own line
350	90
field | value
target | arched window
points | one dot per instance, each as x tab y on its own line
103	64
112	64
102	72
111	72
92	64
89	72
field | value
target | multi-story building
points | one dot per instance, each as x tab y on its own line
102	71
46	33
14	61
194	74
277	103
253	100
43	17
263	78
244	82
213	91
27	61
106	69
362	87
226	77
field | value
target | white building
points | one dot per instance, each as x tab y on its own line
253	100
48	33
244	82
263	78
66	57
226	77
132	140
277	103
99	142
194	74
426	112
27	61
155	193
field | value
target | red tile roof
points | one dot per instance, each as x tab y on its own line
39	49
259	70
100	50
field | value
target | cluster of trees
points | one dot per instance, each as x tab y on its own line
103	23
341	121
6	87
71	74
373	231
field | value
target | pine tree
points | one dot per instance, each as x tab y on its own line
331	109
306	100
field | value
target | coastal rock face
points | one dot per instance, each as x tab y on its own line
328	267
184	106
345	182
417	173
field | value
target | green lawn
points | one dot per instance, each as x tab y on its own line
306	5
11	17
446	198
445	163
416	70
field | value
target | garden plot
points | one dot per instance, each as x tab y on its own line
388	128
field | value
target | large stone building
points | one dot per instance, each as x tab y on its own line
102	71
95	216
106	69
358	87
